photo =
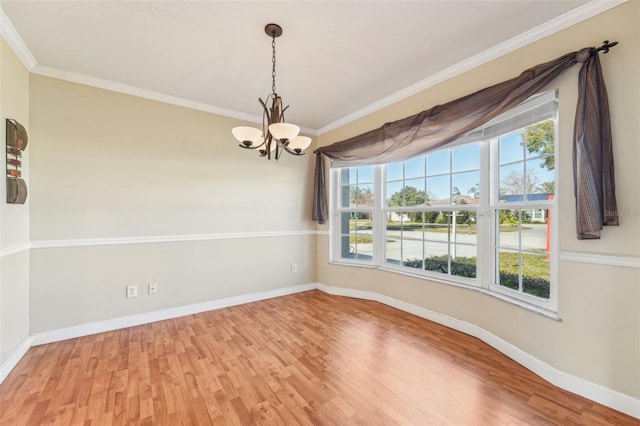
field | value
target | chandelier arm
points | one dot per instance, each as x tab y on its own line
250	147
268	139
282	120
292	152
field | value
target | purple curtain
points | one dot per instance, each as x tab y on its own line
441	125
593	182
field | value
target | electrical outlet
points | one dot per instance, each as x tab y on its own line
294	267
153	288
132	291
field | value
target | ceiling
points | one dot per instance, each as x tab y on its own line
336	60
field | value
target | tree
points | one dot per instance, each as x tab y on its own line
515	183
539	139
548	187
474	191
361	197
409	196
462	216
509	217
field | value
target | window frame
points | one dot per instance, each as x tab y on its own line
487	231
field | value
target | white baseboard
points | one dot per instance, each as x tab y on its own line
14	358
163	314
605	396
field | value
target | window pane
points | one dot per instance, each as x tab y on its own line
465	222
536	275
352	176
393	236
404	238
394	171
361	196
345	194
468	185
535	232
466	158
414	192
365	174
541	180
523	262
439	191
436	226
437	257
512	183
414	168
395	196
345	246
346	175
510	147
438	163
463	260
508	228
356	239
539	140
509	268
361	236
463	248
412	240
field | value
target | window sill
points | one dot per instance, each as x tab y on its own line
503	297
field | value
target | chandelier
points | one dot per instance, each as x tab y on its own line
278	135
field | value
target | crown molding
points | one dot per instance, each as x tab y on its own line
141	93
570	18
151	95
15	41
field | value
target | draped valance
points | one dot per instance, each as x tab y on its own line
443	125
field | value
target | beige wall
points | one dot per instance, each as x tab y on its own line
598	338
14	219
87	284
111	166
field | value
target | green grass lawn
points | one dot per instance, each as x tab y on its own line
536	275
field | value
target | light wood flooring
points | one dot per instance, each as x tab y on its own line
308	358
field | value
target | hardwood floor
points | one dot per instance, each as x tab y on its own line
308	358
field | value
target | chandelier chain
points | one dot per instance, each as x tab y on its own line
273	69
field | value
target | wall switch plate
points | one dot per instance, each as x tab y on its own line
294	267
153	288
132	291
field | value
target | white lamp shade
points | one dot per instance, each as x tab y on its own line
300	142
245	133
284	131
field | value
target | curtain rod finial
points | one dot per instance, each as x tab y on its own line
606	46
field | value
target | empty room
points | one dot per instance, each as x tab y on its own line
320	212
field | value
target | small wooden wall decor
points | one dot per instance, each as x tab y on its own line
17	139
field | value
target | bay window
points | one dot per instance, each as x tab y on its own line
479	213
